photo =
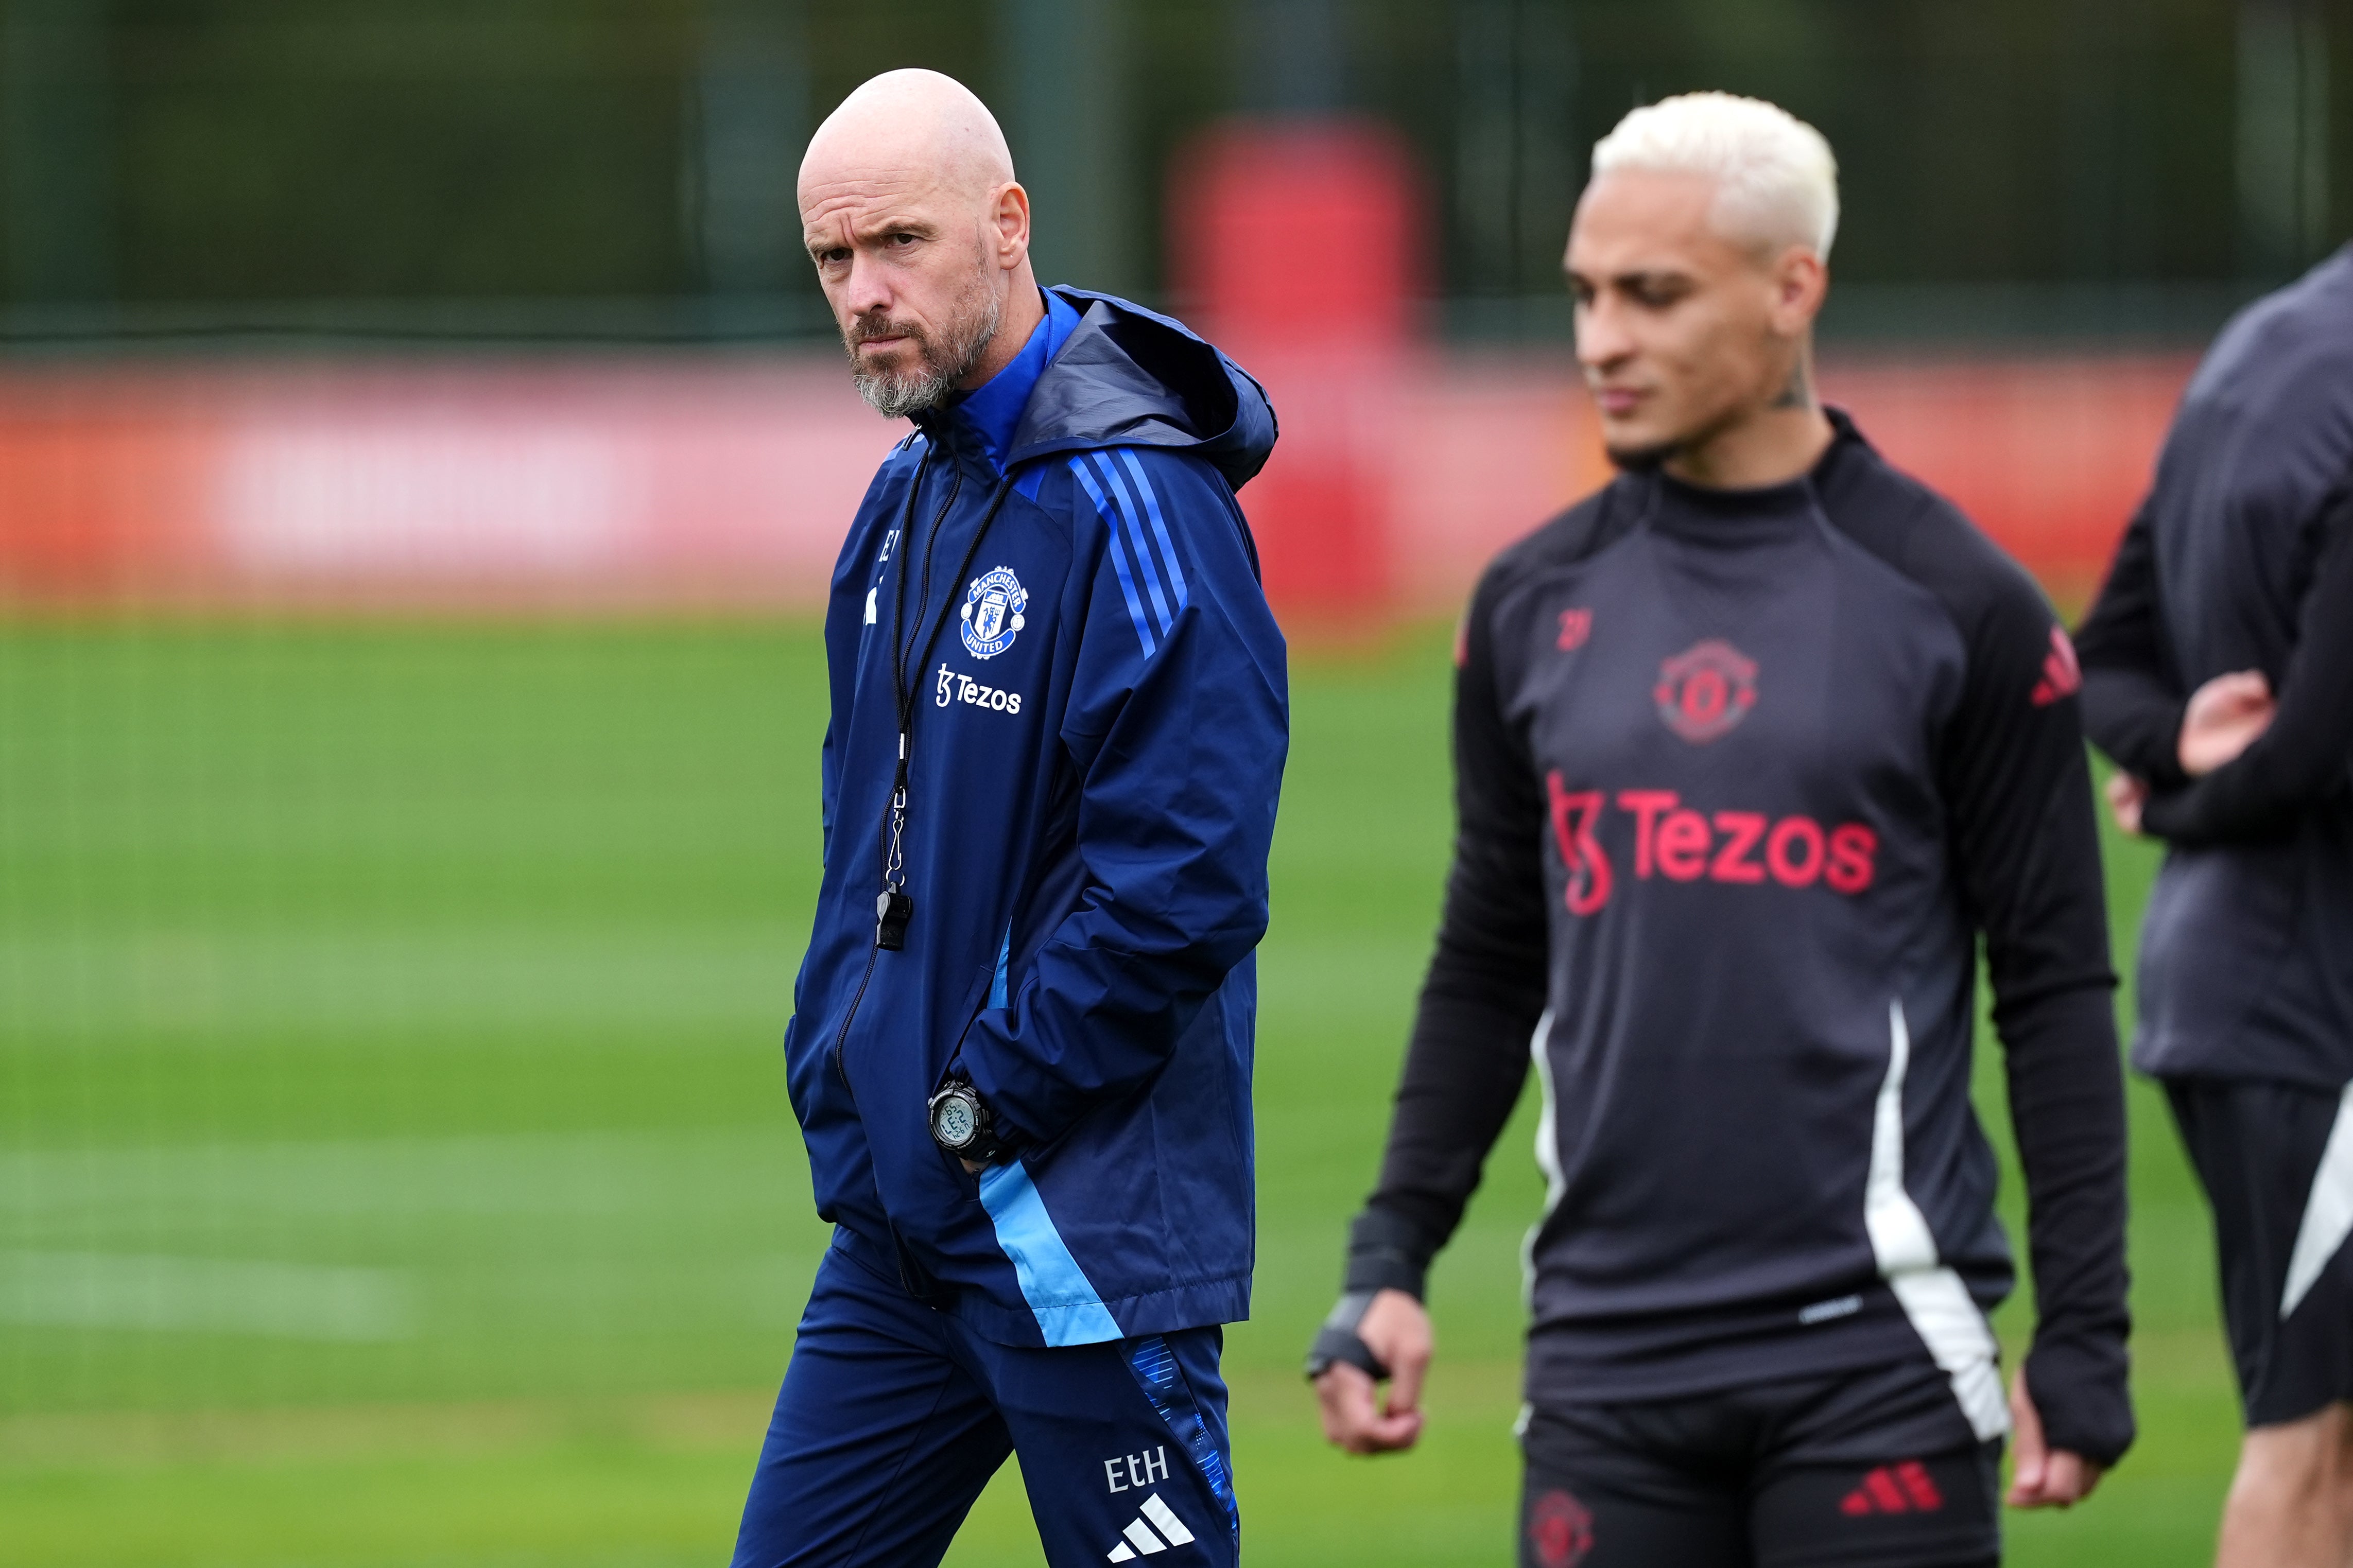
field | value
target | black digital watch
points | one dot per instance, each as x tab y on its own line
962	1126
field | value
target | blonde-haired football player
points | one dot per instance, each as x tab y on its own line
1752	748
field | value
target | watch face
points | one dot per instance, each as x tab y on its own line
952	1122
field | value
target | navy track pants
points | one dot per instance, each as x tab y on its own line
893	1416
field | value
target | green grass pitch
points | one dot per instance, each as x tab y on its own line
394	1164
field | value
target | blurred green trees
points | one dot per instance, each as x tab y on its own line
177	151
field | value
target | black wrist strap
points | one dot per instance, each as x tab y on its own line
1384	1253
1337	1341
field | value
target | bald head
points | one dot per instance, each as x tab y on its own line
921	238
913	125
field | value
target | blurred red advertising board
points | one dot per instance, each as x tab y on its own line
432	484
2050	456
1296	245
709	483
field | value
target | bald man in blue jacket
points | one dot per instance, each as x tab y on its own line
1022	1040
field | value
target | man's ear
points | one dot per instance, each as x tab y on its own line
1011	217
1801	281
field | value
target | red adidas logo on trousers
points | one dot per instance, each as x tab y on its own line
1906	1487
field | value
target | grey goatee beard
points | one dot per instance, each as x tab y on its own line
927	384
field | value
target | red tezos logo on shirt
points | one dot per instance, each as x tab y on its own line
1680	844
1707	690
1576	626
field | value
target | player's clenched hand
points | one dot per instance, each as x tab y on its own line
2041	1476
1396	1329
2126	795
2223	718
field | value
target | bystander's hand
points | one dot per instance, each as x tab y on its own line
2126	795
2222	720
2041	1476
1396	1329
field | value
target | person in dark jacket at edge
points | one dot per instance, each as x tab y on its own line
2218	673
1751	748
1021	1045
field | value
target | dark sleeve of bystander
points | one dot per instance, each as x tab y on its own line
2133	696
2305	756
1468	1055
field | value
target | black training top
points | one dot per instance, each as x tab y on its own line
1741	776
2241	559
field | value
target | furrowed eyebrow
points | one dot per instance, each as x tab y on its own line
920	229
817	243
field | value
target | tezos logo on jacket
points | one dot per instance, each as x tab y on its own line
1705	691
992	612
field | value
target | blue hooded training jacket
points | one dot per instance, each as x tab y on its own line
1050	591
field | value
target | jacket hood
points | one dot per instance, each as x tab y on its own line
1131	377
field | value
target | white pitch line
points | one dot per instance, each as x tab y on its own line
205	1295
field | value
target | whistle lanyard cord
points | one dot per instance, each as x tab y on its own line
903	692
901	704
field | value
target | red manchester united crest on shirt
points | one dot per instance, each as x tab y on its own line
1560	1528
1703	693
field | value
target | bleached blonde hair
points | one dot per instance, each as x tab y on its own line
1777	182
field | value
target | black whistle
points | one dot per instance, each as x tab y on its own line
891	913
